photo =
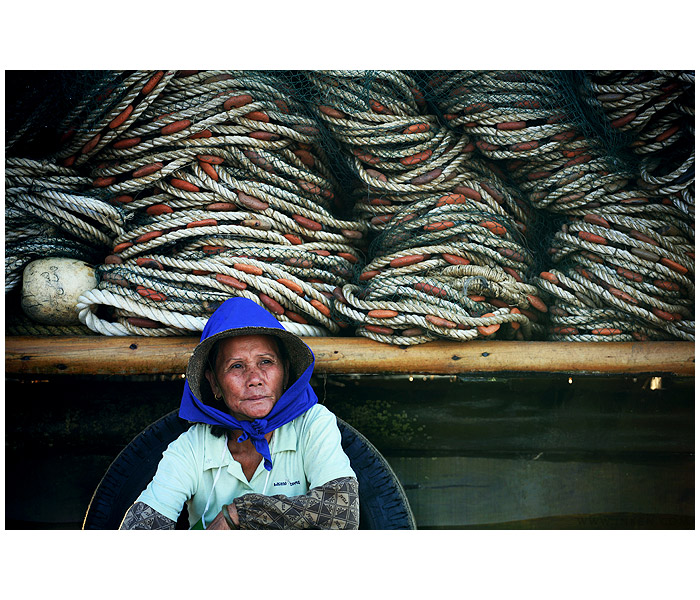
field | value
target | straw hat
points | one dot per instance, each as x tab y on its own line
299	355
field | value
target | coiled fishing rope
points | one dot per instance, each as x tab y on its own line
625	252
397	151
47	213
20	325
445	267
498	204
227	191
658	109
431	209
638	263
633	250
523	119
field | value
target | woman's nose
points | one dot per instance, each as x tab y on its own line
255	377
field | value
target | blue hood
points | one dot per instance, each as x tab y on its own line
241	316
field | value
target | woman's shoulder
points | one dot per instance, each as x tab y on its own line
197	430
318	411
196	436
316	416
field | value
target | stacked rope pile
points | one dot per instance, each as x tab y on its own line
637	266
625	267
624	257
201	185
623	273
657	110
449	268
16	324
525	119
448	258
227	192
398	152
48	214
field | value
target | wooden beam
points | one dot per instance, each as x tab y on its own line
102	355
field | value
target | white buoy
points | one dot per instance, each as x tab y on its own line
51	288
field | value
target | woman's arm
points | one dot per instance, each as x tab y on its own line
142	516
334	505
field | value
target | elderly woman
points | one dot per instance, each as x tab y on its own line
262	454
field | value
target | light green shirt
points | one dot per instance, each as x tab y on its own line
306	453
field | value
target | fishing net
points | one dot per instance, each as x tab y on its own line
403	206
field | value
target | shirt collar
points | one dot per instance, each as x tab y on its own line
284	439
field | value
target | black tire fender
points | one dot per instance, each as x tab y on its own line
383	502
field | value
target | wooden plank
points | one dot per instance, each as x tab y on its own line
102	355
359	355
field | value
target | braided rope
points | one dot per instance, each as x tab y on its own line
619	258
477	188
212	166
18	325
104	297
87	134
549	156
413	320
389	144
662	181
295	287
432	204
197	175
647	277
182	323
40	208
630	100
275	280
48	213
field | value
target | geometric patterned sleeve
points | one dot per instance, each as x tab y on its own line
142	516
334	505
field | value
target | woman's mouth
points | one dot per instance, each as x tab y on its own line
254	398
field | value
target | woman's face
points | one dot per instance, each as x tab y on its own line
250	375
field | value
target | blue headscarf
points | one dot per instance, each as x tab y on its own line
244	314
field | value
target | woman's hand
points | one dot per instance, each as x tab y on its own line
219	521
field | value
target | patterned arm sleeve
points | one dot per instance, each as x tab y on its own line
334	505
142	516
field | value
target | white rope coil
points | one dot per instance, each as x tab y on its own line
185	324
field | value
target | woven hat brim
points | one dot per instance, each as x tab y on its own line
300	355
